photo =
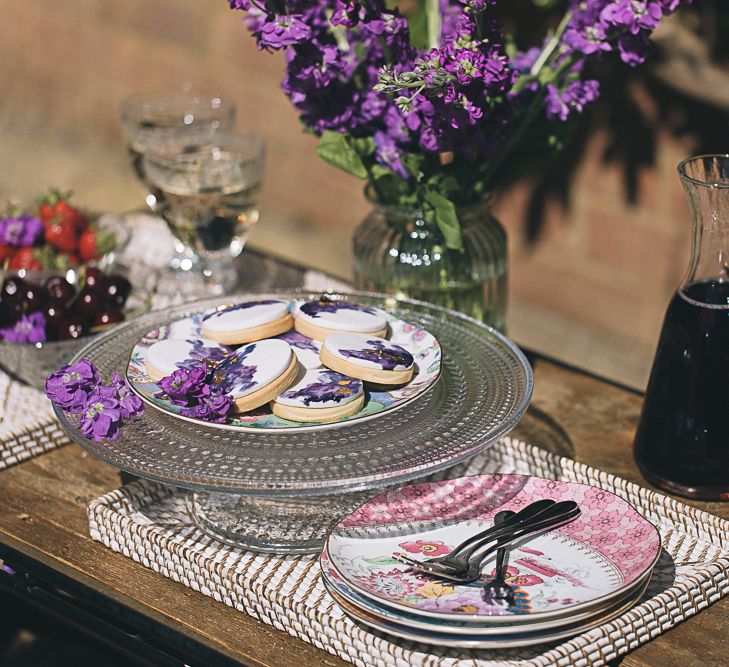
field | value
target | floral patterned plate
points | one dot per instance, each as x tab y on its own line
528	637
422	345
596	558
341	592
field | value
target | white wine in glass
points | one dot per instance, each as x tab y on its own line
209	196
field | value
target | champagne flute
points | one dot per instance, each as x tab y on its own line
209	197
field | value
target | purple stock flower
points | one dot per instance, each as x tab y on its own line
388	155
214	406
130	405
101	417
184	384
633	15
574	97
20	230
28	329
284	31
350	68
102	409
70	386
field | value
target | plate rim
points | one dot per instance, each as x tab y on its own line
456	642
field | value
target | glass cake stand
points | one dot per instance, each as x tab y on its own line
281	492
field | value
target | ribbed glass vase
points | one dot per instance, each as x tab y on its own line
398	252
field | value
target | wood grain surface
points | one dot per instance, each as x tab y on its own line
44	517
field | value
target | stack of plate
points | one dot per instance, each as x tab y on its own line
564	582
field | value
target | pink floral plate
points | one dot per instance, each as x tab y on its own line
343	593
527	638
596	558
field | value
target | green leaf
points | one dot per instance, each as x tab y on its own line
413	162
363	145
334	149
446	218
381	560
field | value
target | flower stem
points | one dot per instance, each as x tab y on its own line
536	104
552	44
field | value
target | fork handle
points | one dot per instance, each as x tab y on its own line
531	510
475	563
506	529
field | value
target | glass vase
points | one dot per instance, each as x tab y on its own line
682	441
398	252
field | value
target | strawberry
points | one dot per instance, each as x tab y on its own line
45	212
61	234
5	252
23	258
55	207
94	243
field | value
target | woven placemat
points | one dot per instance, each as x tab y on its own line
28	427
148	522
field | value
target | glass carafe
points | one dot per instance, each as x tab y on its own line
682	442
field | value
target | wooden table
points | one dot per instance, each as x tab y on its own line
44	533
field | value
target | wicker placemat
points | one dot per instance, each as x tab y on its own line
28	427
148	522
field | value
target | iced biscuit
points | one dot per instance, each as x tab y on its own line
257	372
321	396
368	358
318	319
248	321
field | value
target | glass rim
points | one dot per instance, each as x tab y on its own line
195	95
681	169
253	144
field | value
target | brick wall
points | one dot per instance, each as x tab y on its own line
594	289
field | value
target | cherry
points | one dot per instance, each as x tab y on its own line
7	316
116	290
88	303
71	327
108	317
59	289
12	289
54	315
94	278
33	298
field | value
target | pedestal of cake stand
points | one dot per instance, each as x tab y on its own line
272	524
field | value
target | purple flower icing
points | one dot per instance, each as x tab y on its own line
240	306
232	373
314	308
210	356
28	329
70	386
295	339
329	386
388	357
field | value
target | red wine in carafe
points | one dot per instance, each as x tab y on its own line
682	442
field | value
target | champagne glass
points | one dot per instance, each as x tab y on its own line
171	121
208	194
